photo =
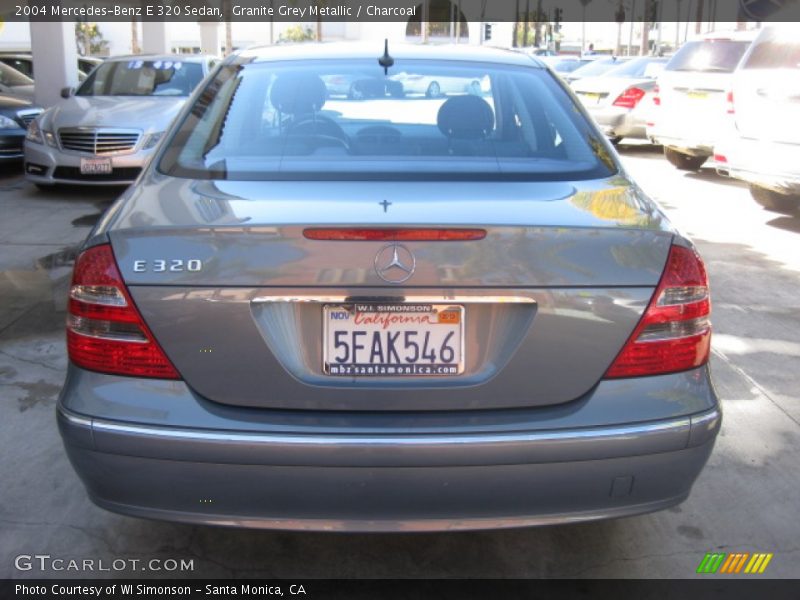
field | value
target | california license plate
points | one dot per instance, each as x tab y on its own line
96	166
591	98
393	340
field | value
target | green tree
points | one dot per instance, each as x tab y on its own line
89	40
298	33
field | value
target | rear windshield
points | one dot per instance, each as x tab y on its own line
11	77
711	56
568	66
639	68
142	78
598	67
22	65
775	49
349	119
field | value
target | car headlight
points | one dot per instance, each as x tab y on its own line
6	123
34	134
152	140
50	139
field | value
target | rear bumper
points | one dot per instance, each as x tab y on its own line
396	482
619	122
692	147
771	165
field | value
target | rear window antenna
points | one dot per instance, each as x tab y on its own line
386	61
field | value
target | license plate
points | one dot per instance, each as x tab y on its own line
590	98
95	166
393	340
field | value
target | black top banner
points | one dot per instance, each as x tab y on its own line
400	10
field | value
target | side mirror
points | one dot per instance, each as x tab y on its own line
67	92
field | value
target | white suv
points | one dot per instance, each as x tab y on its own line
691	102
764	148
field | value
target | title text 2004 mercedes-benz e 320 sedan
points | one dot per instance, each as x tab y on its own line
387	313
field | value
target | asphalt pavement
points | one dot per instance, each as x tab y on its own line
746	500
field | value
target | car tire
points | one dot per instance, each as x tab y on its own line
434	90
684	162
773	200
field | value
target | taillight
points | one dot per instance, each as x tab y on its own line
630	97
393	234
674	333
105	331
657	96
729	100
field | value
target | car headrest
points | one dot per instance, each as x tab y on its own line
465	118
298	93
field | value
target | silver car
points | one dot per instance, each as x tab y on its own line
621	99
380	314
105	132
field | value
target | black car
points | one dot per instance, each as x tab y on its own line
15	115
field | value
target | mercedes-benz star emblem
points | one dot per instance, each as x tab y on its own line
394	263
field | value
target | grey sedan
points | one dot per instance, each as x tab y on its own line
105	132
388	314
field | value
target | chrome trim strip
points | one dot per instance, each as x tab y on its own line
423	299
74	419
705	418
402	525
95	132
344	440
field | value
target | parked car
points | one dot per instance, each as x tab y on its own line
618	100
358	86
323	313
105	132
594	66
435	85
15	115
690	114
24	64
15	83
764	103
87	63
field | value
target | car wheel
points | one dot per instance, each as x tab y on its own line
434	90
684	162
773	200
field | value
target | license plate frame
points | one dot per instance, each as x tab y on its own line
370	318
96	166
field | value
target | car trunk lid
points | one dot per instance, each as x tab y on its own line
235	292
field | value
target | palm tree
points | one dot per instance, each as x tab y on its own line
135	49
